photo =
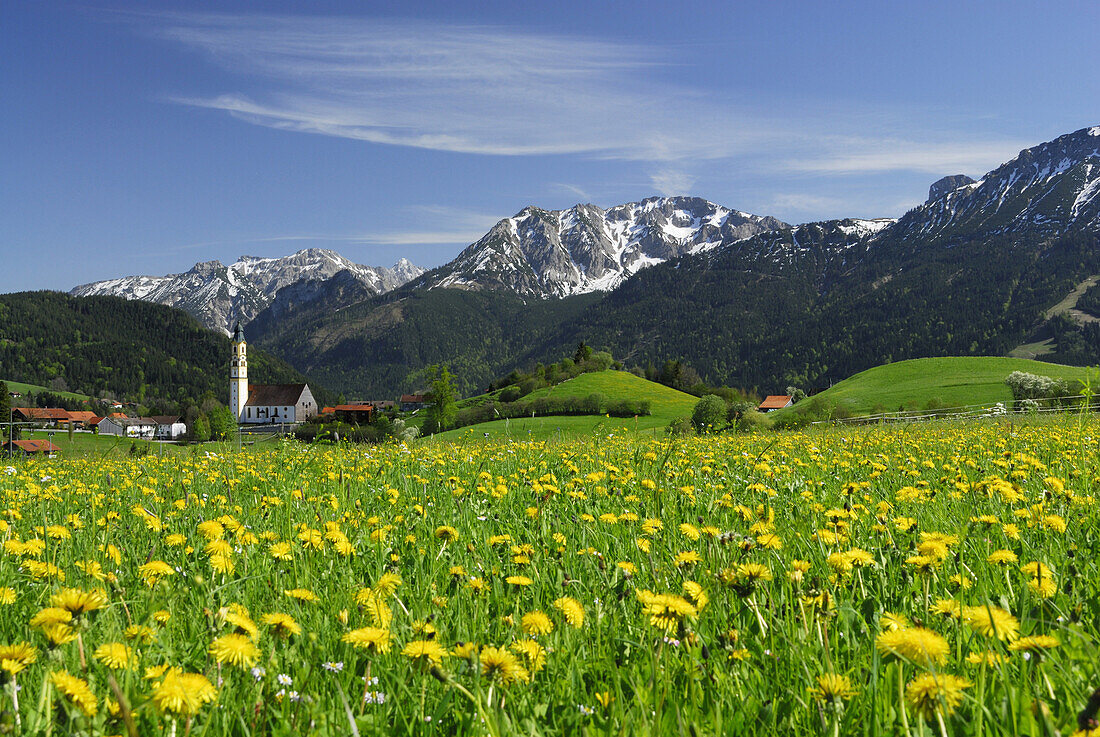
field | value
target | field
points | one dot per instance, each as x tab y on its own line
25	389
924	580
955	382
666	405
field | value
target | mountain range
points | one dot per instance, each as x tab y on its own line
745	299
219	296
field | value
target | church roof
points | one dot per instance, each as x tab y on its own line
274	395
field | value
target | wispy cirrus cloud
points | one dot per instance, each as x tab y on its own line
428	225
495	90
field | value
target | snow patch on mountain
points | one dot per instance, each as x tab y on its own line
557	253
219	296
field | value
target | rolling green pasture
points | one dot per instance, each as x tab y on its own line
954	381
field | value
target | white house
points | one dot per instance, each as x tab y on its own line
128	427
264	404
169	427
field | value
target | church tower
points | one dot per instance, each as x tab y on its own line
238	375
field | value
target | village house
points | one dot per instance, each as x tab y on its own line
45	416
128	427
30	447
169	427
776	401
413	402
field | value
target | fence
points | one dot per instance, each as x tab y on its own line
1045	405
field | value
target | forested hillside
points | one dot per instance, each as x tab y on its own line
128	350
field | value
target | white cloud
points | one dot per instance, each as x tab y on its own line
867	156
501	91
670	182
802	202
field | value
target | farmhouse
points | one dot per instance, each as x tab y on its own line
776	401
47	416
169	427
128	427
412	402
264	404
30	447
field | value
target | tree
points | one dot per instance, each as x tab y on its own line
796	394
442	408
709	414
5	402
200	430
221	422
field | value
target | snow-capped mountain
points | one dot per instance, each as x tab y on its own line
556	253
1049	188
220	295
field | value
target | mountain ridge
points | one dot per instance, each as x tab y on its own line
219	296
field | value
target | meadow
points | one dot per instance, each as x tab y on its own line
924	580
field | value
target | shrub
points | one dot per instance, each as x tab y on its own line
753	421
681	426
709	414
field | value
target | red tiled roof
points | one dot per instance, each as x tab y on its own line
775	401
42	413
82	415
412	398
354	408
35	446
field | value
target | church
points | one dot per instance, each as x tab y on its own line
264	404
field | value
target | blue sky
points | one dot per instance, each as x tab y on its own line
139	138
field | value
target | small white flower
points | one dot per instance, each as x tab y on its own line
258	673
47	478
295	696
284	680
9	470
586	710
333	667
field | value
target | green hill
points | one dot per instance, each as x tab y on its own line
951	382
136	351
666	404
25	389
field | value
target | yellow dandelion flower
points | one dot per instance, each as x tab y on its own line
572	610
76	690
374	639
79	601
425	652
930	693
446	533
282	625
831	687
115	655
183	693
518	581
21	652
7	595
991	621
501	665
141	633
304	595
536	623
533	653
915	644
235	649
1035	644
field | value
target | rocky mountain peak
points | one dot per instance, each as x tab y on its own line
220	296
948	184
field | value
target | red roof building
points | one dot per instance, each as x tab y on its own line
29	447
776	401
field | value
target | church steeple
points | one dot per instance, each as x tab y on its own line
238	374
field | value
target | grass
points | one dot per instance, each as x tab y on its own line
666	404
25	389
739	584
957	381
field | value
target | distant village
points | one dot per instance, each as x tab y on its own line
274	407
